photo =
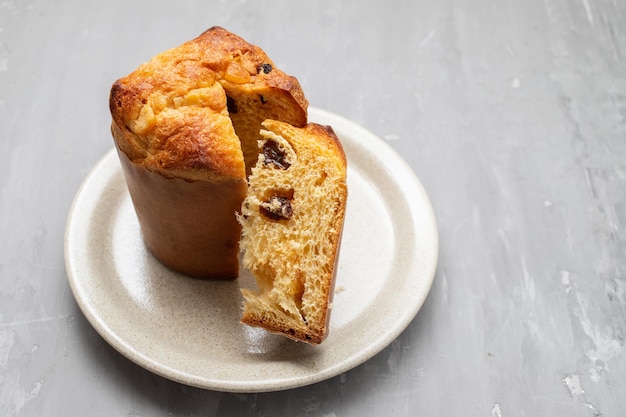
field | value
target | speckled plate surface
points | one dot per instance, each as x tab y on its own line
188	330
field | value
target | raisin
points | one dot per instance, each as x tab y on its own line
266	68
274	155
276	208
263	99
231	105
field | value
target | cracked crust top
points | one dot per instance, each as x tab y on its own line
173	114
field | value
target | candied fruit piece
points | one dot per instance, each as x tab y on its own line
276	208
266	68
236	73
275	155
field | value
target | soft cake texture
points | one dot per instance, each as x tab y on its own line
292	223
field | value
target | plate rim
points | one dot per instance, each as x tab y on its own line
340	124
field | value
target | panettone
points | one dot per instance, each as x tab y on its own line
186	125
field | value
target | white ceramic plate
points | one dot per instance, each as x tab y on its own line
188	330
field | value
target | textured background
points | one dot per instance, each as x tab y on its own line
512	114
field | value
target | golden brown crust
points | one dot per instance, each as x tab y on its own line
171	114
295	333
323	133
